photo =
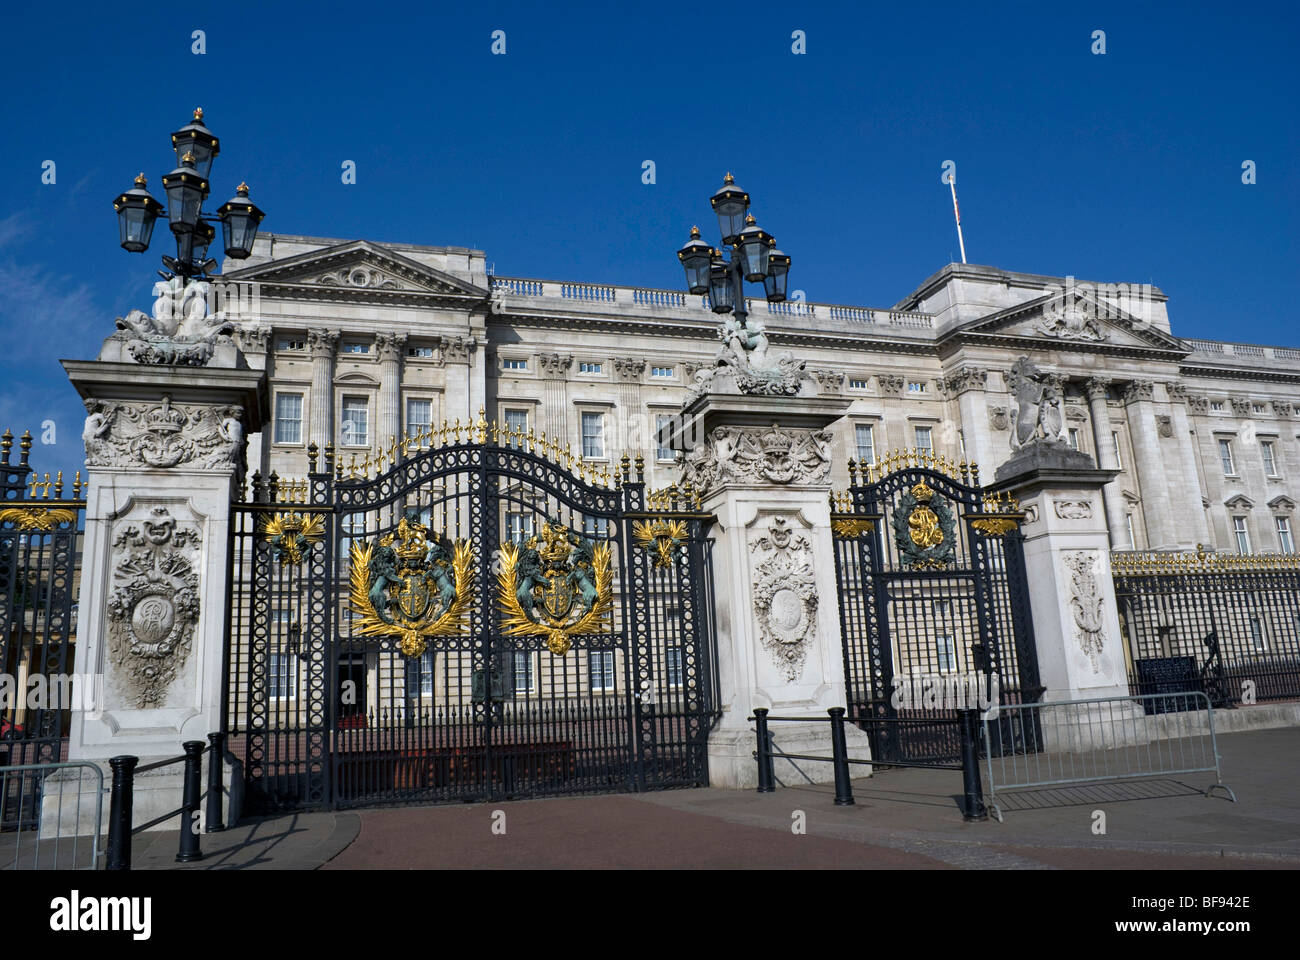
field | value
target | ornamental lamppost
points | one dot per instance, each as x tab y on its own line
754	256
187	188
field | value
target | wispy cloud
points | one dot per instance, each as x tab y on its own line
12	227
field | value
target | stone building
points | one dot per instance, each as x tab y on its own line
367	342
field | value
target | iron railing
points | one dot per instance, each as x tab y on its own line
1225	625
122	803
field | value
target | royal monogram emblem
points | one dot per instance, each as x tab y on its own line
405	586
557	584
924	529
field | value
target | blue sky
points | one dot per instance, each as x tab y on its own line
1123	167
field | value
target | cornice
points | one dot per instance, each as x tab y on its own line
1239	373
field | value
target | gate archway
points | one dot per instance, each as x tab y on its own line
486	617
933	602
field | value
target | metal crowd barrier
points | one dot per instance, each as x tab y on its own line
1071	742
50	815
967	722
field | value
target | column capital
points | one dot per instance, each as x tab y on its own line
389	346
322	342
1097	388
890	386
1241	406
956	382
628	369
457	349
254	339
830	381
1139	390
554	366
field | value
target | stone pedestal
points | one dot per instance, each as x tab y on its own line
763	466
165	452
1067	559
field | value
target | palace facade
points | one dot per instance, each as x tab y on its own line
365	343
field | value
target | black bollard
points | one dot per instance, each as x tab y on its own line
119	813
968	721
766	772
216	783
189	846
840	756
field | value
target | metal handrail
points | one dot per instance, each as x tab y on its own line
121	803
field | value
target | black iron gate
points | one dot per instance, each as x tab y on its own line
40	552
487	617
934	605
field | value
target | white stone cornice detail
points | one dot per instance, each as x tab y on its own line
162	435
759	455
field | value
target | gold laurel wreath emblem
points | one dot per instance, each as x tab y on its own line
299	534
368	623
516	623
661	536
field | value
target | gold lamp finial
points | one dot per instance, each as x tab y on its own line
140	181
728	178
242	189
749	220
695	233
198	113
188	156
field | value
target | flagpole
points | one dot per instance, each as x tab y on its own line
952	182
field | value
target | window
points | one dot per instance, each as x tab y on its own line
1074	437
588	366
288	418
356	422
866	442
600	666
516	428
1256	408
524	676
282	676
509	364
596	527
1242	534
855	384
426	673
355	348
924	442
1132	540
593	436
1216	406
354	525
1114	438
1284	535
419	351
1270	460
661	452
1225	455
519	526
661	371
674	666
291	344
947	651
915	386
419	416
1257	636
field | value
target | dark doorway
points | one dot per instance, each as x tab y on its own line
350	707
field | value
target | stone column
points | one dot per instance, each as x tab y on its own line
320	419
635	437
1067	562
254	343
1153	485
165	453
390	347
1098	391
459	395
966	385
776	605
1193	521
554	369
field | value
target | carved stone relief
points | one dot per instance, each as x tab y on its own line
1072	509
785	595
162	435
1164	425
629	369
1086	604
759	455
153	605
830	381
890	386
458	349
554	366
998	418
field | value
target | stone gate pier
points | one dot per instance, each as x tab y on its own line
165	448
760	460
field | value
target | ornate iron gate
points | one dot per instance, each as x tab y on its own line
933	602
487	617
40	552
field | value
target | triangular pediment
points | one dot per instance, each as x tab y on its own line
1239	502
1282	503
357	269
1074	317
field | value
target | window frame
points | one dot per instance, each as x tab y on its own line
275	677
1285	538
1268	455
1241	534
611	672
407	414
582	434
916	437
343	419
1227	458
302	404
871	441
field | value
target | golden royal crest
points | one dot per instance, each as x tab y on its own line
558	584
293	535
924	529
405	586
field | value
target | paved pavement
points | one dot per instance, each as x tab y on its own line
902	819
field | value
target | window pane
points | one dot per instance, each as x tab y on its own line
923	443
593	435
419	416
662	452
674	666
1225	455
866	443
288	418
356	422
